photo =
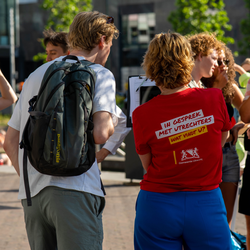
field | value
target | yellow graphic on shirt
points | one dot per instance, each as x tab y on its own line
175	161
58	149
188	134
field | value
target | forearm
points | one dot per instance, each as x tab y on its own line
102	154
238	97
8	94
244	111
11	147
224	136
239	69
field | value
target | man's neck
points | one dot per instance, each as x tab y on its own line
196	74
88	55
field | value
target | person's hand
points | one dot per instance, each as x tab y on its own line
235	130
221	78
101	155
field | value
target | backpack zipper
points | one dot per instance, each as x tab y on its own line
84	71
42	89
52	93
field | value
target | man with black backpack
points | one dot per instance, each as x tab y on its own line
56	45
54	125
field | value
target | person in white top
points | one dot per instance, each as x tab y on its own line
56	45
205	49
66	212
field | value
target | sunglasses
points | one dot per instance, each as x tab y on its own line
110	19
226	62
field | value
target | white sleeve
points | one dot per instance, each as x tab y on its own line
120	132
104	98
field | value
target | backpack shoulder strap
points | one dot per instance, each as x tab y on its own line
83	62
71	57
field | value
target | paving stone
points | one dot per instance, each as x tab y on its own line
118	216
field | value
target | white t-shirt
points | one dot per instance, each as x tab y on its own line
104	100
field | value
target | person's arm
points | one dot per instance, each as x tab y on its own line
146	160
8	94
11	145
239	69
244	111
116	139
102	154
224	136
238	97
234	132
244	107
103	126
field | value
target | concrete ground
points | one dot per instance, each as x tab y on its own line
118	217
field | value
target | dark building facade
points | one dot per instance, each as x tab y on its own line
137	20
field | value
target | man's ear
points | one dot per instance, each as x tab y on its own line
102	42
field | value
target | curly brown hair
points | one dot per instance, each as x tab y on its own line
168	60
203	43
228	91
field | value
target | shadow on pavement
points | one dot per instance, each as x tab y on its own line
9	191
8	207
125	184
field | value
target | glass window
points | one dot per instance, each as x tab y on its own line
27	1
137	31
5	6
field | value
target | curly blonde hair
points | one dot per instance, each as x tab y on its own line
203	43
228	91
87	28
168	60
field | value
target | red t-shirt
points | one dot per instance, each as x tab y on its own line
182	131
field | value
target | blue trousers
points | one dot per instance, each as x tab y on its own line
168	221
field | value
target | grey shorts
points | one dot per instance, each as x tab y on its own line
64	219
230	165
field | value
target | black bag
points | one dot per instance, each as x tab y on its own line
58	137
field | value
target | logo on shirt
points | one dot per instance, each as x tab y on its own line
189	154
58	149
185	127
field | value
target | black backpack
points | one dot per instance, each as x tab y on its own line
58	136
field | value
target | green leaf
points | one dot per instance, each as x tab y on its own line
61	14
244	43
196	16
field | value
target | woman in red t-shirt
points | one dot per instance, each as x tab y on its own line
180	203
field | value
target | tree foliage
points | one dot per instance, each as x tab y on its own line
195	16
61	14
244	43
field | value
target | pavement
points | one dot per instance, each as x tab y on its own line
118	216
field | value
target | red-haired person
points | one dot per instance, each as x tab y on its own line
180	202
